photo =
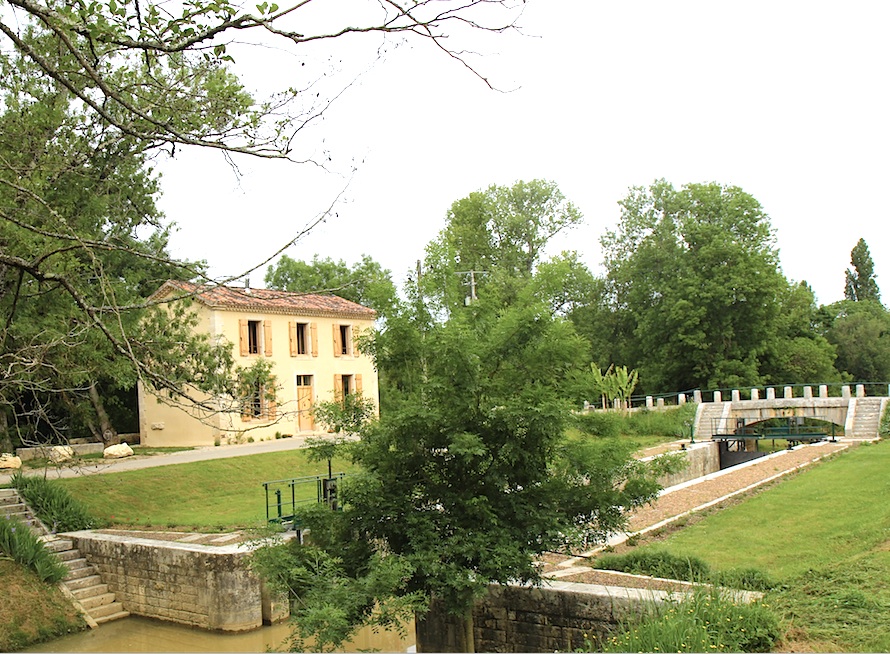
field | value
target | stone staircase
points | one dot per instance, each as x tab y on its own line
83	583
708	418
864	417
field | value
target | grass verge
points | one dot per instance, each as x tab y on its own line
207	495
823	537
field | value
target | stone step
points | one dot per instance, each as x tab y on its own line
80	583
80	573
77	564
113	616
90	591
58	545
8	492
69	555
11	498
106	610
96	601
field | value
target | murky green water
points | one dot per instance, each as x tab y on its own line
135	634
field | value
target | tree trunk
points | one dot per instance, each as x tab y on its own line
5	437
108	433
469	642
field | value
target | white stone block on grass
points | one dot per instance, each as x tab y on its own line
10	462
117	451
60	453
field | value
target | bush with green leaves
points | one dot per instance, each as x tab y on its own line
52	503
23	546
661	563
708	620
655	563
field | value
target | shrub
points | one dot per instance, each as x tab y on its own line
21	544
600	423
705	621
53	504
656	563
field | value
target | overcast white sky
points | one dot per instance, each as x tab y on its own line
788	100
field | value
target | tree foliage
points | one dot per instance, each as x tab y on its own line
695	288
366	282
860	281
494	241
468	476
860	332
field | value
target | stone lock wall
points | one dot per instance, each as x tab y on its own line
557	617
199	585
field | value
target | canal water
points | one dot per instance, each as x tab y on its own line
136	634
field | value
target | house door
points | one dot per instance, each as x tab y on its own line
304	403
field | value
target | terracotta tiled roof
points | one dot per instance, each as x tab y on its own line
262	299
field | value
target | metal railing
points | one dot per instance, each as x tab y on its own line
284	496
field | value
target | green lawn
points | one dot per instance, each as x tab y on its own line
825	536
218	494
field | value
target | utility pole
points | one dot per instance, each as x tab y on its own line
472	273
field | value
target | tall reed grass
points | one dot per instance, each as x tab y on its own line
707	620
23	546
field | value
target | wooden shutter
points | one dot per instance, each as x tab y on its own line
243	338
267	336
338	344
313	334
357	379
338	387
292	333
354	332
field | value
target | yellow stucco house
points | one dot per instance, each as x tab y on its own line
310	340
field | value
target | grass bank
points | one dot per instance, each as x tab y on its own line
824	536
207	495
32	611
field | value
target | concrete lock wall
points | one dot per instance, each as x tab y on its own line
199	585
559	617
701	459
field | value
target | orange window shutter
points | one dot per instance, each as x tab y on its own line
292	333
243	339
313	334
358	384
338	387
267	336
338	344
355	333
271	410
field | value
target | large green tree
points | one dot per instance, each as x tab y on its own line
469	477
92	93
861	284
860	331
495	239
695	286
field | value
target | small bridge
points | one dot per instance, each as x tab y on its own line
859	416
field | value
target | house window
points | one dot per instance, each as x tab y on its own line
253	336
346	387
342	340
259	404
302	338
256	409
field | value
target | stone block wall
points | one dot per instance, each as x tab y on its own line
702	459
199	585
559	617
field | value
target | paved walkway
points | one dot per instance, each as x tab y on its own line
101	466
